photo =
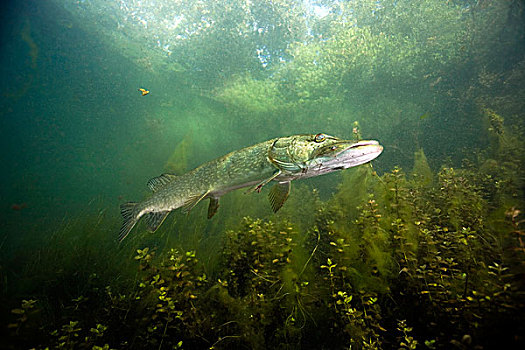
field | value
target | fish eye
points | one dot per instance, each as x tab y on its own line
320	138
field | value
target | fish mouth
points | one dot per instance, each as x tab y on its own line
348	155
358	153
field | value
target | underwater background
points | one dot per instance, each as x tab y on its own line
426	249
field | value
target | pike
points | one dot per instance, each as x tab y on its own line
280	160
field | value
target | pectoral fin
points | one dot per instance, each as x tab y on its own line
192	201
155	219
213	207
286	166
264	182
278	195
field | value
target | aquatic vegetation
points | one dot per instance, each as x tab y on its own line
25	35
418	263
406	341
403	259
177	163
247	95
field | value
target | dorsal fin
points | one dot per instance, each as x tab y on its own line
158	182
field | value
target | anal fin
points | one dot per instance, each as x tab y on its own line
278	195
193	201
155	219
213	207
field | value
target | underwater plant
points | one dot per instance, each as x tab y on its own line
414	260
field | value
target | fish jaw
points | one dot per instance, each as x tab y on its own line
360	153
349	154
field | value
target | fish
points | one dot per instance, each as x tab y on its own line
144	91
279	161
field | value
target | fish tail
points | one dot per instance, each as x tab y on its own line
130	215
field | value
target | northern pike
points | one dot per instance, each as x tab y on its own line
280	160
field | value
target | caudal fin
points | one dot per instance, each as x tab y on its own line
128	211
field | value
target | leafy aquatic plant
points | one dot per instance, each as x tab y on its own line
397	260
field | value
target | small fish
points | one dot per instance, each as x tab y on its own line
144	91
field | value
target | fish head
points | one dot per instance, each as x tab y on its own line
313	155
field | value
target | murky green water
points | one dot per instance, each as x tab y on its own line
423	250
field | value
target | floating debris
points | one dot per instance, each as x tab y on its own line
144	91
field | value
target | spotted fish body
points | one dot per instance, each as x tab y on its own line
280	160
